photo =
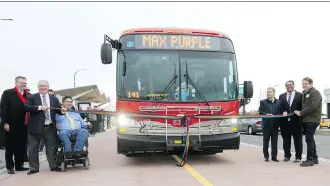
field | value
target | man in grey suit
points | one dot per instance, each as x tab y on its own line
42	125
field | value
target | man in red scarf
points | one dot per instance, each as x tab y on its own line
14	120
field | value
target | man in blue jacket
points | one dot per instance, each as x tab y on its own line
270	106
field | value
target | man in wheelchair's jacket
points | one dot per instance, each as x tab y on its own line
70	124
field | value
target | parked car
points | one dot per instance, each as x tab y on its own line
324	122
250	126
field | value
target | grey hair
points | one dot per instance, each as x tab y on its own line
19	77
43	81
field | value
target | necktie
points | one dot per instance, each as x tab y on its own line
45	104
70	120
289	99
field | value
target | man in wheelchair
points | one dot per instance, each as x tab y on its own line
71	125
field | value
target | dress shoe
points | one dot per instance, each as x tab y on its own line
275	160
57	169
286	159
10	171
297	160
32	172
266	160
307	163
21	169
316	161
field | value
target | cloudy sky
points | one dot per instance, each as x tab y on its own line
274	42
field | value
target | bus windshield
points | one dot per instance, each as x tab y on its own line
150	72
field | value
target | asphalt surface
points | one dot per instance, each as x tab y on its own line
231	168
322	143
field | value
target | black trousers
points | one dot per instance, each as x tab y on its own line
15	142
289	130
270	133
309	131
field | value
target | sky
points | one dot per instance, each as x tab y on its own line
274	42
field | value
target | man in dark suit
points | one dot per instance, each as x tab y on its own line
42	125
291	126
311	116
14	120
270	106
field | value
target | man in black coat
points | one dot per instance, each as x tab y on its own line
14	120
270	106
42	125
291	126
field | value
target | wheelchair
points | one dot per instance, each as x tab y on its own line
64	159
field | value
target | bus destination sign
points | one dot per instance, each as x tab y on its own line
172	42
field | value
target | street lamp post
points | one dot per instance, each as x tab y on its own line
74	76
6	19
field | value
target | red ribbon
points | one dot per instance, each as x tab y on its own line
23	99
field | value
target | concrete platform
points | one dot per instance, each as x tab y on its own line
232	168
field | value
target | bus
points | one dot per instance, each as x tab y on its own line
171	72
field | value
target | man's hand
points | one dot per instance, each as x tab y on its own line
6	127
44	108
57	125
63	109
297	112
285	113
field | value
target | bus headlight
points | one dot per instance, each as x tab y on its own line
124	121
228	123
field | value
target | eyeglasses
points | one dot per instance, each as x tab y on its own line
23	83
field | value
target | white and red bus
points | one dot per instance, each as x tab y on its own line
172	71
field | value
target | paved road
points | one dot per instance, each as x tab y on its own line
322	143
232	168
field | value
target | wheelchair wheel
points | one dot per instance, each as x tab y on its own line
86	163
63	166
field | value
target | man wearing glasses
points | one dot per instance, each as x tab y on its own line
291	126
311	116
14	121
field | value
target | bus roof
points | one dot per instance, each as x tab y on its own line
174	31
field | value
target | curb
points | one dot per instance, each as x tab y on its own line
325	160
42	158
323	131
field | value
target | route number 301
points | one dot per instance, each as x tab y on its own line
133	95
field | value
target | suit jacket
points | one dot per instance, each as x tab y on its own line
37	117
296	105
268	107
12	110
311	106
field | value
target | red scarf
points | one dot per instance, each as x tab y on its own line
23	99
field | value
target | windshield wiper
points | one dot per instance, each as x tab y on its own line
199	93
168	86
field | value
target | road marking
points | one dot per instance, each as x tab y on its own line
282	151
194	173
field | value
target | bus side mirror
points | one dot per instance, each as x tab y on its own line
248	89
106	53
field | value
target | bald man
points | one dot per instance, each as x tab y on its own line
42	125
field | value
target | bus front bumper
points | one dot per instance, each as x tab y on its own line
207	143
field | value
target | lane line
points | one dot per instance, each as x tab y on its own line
194	173
282	151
